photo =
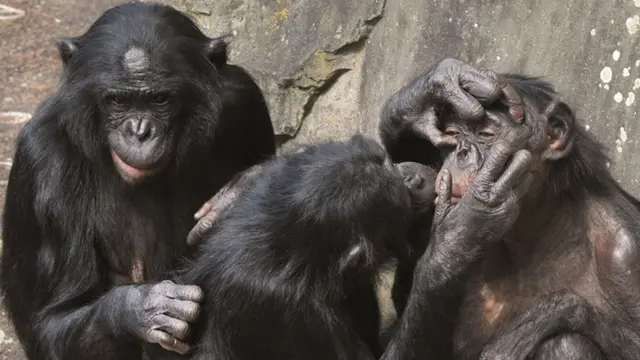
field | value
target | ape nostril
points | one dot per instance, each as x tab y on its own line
138	129
143	132
462	154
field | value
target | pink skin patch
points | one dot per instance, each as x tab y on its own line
459	186
127	171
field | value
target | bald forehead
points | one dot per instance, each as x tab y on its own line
135	60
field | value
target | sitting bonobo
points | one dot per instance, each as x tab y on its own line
534	246
288	270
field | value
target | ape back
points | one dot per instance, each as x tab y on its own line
278	268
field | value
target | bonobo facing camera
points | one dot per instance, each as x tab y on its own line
149	121
288	270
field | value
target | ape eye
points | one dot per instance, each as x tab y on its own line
116	101
486	133
451	131
161	99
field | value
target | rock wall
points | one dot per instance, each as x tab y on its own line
327	66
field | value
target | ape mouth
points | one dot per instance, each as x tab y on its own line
132	174
138	162
455	199
457	191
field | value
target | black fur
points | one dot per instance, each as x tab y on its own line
561	282
70	222
288	272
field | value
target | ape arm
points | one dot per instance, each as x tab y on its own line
459	234
54	283
56	273
560	314
211	211
409	124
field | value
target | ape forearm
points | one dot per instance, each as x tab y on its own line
434	299
99	330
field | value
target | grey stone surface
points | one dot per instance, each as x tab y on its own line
327	66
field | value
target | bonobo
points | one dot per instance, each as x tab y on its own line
149	122
288	270
534	245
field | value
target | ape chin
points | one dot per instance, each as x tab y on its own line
296	256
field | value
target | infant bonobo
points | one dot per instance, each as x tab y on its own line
288	270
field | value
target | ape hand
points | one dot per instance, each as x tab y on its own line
221	201
491	205
452	84
162	313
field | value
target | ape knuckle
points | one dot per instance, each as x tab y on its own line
493	76
501	147
524	155
439	82
152	304
191	312
181	328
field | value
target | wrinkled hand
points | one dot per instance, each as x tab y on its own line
210	212
491	205
162	313
459	86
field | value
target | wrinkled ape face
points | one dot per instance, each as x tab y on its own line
137	110
473	141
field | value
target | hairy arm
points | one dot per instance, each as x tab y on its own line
56	288
409	120
458	236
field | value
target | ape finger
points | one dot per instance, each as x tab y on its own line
428	127
167	342
464	105
443	201
481	84
200	228
184	310
512	175
204	209
523	187
516	108
182	292
498	156
176	328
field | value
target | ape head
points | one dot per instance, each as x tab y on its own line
548	132
138	85
352	190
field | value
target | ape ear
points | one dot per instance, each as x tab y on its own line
560	120
67	47
216	50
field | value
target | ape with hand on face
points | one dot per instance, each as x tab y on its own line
148	122
288	270
534	245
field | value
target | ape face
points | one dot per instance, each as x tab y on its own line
473	139
139	116
151	100
547	133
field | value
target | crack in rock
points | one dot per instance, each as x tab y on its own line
320	71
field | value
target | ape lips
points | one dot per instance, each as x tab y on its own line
128	172
459	185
